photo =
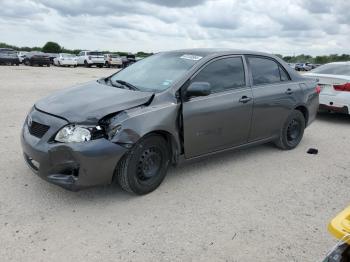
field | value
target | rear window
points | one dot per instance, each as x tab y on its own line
68	55
333	69
95	53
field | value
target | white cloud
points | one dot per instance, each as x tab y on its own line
287	27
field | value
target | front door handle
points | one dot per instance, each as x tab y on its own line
289	91
245	99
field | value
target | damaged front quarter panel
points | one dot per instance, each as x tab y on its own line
128	126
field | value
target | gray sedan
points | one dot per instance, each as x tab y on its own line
168	108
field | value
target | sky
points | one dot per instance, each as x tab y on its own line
287	27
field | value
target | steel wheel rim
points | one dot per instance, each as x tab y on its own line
150	164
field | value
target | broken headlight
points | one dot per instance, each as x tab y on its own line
76	133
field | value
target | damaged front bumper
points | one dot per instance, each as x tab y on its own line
73	166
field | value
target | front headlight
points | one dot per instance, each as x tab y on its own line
73	133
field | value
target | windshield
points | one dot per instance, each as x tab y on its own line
157	72
333	69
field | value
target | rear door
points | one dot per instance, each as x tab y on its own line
221	119
275	95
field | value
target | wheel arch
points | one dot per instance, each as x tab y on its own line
303	109
171	142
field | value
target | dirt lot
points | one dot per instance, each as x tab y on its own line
259	204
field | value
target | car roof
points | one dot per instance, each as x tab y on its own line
218	51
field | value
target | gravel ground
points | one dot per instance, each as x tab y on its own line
259	204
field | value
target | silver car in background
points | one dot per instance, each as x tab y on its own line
64	59
113	60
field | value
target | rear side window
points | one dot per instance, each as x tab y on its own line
223	74
284	75
266	71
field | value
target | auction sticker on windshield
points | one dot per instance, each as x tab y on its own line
191	57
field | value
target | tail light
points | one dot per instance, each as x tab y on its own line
89	57
344	87
318	89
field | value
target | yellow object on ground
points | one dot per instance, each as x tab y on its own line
340	226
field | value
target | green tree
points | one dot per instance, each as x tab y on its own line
51	47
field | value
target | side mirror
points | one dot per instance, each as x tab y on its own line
198	89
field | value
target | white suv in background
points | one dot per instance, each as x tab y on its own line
113	60
89	58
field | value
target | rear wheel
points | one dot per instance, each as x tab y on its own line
292	131
144	167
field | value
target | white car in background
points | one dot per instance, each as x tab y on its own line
113	60
334	80
90	58
21	55
65	60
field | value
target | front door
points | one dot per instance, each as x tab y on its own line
222	119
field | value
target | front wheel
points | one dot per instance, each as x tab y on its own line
144	167
292	131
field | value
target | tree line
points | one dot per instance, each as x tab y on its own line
316	59
53	47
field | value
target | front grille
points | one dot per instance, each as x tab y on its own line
37	129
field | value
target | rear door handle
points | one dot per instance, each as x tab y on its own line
289	91
245	99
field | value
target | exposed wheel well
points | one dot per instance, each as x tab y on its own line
170	141
305	112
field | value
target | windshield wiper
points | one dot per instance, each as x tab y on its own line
130	86
108	80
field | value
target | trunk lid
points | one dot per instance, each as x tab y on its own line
326	82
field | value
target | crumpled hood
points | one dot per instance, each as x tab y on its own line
88	103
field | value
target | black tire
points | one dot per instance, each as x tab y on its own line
99	66
48	65
144	167
86	64
292	131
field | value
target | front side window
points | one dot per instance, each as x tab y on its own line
223	74
266	71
